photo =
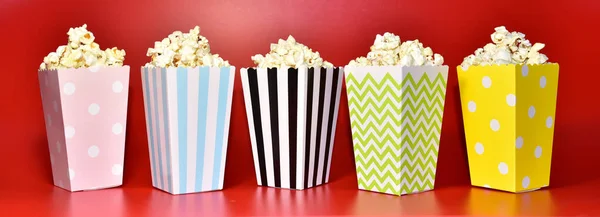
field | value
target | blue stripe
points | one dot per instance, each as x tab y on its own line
202	105
150	126
182	92
155	75
166	127
221	112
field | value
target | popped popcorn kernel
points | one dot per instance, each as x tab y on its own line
81	51
507	48
114	56
388	50
290	53
184	50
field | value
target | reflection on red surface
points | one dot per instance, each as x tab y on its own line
491	202
337	198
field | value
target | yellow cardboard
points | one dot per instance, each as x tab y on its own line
508	114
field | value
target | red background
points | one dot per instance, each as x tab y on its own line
339	29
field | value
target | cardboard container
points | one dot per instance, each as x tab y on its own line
187	118
396	119
85	111
292	115
508	114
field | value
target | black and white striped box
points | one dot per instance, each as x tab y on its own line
292	115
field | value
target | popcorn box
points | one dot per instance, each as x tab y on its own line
85	112
508	114
292	115
396	119
187	119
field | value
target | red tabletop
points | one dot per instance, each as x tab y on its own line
337	198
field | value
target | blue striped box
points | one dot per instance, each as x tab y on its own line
292	116
188	111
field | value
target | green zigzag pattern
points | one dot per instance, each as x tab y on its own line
396	129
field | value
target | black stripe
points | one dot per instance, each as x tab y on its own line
309	99
293	117
274	104
260	146
319	123
333	104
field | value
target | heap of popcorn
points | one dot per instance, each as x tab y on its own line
184	50
289	53
508	48
82	51
388	50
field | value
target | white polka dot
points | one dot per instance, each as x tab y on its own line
479	148
472	106
531	111
69	132
525	182
117	87
538	152
543	81
55	105
117	169
519	142
71	174
94	109
486	186
511	99
49	119
93	151
549	122
58	146
503	168
69	88
94	68
486	81
525	70
495	125
117	128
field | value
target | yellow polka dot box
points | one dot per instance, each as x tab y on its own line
508	113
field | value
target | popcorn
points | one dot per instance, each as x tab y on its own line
289	53
82	51
507	48
388	50
114	56
184	50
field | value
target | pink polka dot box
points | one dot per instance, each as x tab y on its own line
85	110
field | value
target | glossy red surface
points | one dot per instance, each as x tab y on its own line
340	30
337	198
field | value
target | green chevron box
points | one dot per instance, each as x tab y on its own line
396	118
